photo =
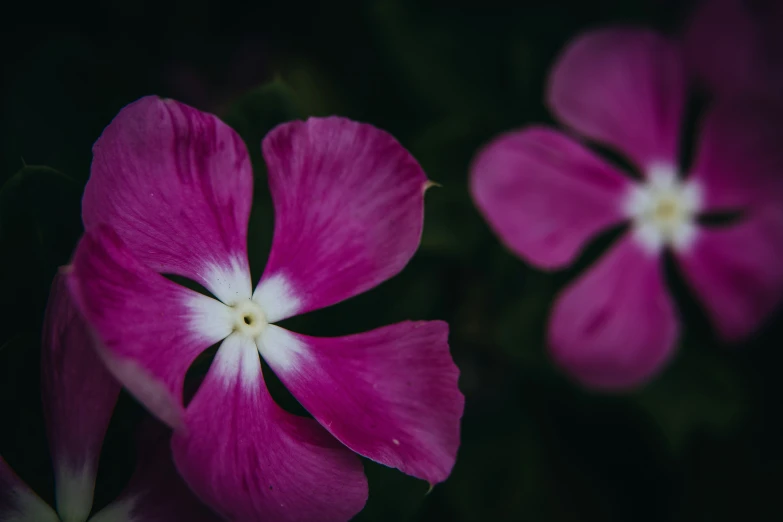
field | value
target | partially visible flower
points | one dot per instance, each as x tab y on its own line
735	47
79	396
546	195
170	193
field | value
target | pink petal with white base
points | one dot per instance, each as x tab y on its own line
546	195
623	87
253	462
149	329
739	161
349	206
156	492
79	396
390	394
737	271
615	327
18	503
176	184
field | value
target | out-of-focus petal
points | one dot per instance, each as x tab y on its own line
149	329
390	394
18	503
624	87
737	271
176	184
545	195
253	462
349	206
615	326
79	396
739	161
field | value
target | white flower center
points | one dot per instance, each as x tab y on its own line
248	318
663	210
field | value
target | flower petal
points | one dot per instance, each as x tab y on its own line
739	161
546	195
176	184
390	394
624	87
156	492
737	271
79	396
252	461
349	206
149	329
615	326
18	503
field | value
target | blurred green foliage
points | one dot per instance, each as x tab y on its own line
700	443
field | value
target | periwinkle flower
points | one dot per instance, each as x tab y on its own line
546	195
79	396
170	193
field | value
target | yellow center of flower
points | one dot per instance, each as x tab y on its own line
248	318
663	210
667	210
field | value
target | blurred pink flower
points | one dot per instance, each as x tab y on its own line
546	195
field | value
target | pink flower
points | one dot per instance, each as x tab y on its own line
735	47
546	195
170	193
79	396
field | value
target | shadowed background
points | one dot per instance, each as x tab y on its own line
701	443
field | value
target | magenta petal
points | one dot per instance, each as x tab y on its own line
79	396
149	329
18	503
176	184
252	461
546	195
739	160
615	326
349	205
737	271
390	394
623	87
156	492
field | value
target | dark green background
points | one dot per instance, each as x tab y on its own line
701	443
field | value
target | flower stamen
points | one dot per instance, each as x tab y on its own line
249	318
663	210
